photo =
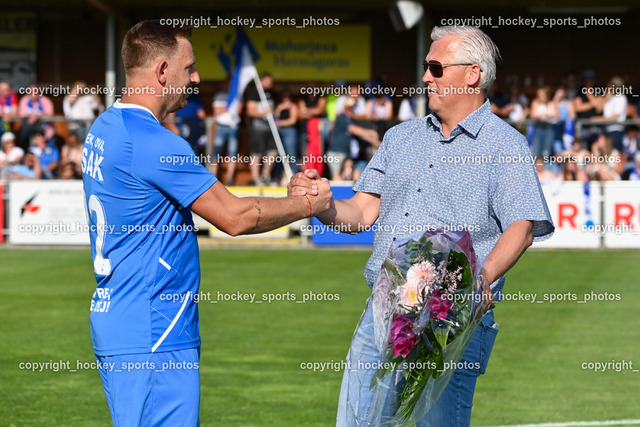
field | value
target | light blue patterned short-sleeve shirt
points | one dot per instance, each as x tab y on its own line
481	179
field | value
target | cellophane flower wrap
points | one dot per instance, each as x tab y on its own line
426	307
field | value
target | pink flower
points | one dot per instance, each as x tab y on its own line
421	274
402	336
410	295
440	306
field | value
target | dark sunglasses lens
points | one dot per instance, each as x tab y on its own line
434	66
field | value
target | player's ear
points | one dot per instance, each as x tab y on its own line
161	72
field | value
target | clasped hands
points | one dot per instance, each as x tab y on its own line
310	184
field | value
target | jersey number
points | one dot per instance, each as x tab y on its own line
101	265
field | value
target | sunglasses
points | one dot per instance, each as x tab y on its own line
436	68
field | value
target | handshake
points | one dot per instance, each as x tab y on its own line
311	185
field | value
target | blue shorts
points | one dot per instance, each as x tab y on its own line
152	389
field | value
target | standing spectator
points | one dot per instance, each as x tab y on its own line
191	121
339	146
406	111
312	109
10	155
544	113
588	105
287	118
380	110
8	107
359	111
71	152
614	109
263	144
47	154
499	101
570	83
80	108
31	109
226	134
566	118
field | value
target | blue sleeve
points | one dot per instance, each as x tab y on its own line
168	163
516	193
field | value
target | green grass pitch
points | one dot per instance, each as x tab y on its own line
252	353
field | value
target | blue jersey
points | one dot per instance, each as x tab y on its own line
139	179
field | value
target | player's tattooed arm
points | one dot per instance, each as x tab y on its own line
250	215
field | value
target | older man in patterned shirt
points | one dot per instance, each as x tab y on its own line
459	167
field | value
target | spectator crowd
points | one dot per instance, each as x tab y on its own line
576	131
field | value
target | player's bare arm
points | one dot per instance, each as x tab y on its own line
250	215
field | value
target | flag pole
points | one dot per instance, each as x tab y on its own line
274	129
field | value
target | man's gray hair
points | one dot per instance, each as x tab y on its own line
474	46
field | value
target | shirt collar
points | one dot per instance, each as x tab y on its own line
470	124
123	105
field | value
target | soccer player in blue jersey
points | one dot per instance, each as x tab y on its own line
141	181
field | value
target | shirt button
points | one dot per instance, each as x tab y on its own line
406	214
419	190
394	239
430	166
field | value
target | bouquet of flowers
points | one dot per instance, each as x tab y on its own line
427	305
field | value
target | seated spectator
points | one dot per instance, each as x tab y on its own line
606	162
67	170
8	106
71	152
80	105
28	169
31	109
10	155
47	154
545	174
631	141
634	172
575	161
517	109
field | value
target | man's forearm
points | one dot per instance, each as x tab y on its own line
342	217
512	244
260	214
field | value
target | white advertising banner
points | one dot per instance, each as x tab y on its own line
621	214
47	213
575	210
